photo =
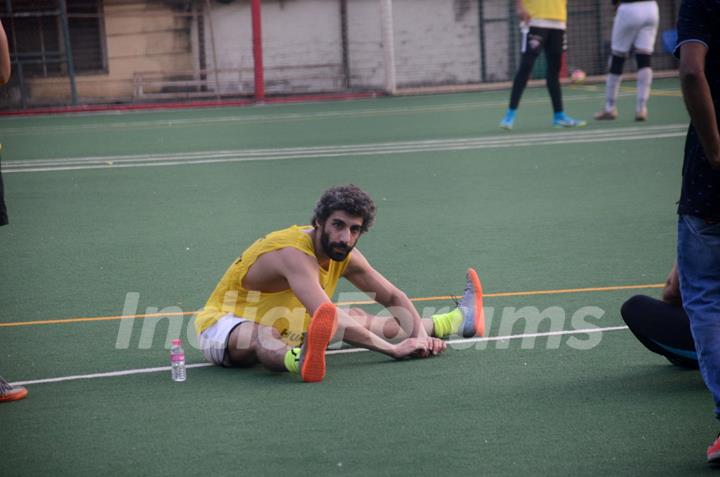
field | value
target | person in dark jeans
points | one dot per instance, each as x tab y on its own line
698	240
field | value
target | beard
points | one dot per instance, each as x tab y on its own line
336	251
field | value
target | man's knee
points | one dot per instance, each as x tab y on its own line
242	344
358	314
356	317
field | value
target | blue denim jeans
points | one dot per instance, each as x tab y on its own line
698	254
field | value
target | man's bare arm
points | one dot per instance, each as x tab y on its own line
522	12
301	272
698	100
4	57
671	292
361	274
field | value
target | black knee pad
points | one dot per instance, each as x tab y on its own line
643	60
616	64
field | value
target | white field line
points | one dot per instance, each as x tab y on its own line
271	118
405	147
130	372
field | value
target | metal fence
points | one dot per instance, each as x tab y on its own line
132	51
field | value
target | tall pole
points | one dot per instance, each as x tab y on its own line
257	51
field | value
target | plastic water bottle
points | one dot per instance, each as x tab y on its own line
177	361
524	31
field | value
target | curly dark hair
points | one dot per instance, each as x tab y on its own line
348	198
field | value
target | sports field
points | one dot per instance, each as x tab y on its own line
134	213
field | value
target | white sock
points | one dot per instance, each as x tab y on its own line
612	88
644	81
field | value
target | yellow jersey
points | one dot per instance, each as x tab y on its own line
282	310
547	9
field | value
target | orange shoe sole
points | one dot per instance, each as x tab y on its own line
15	394
479	309
713	452
321	330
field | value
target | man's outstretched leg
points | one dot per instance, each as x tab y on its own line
468	319
236	342
307	360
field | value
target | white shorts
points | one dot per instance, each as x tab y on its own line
635	25
214	340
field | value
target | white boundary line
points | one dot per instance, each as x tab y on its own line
405	147
270	117
130	372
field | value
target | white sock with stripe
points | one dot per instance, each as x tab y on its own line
644	81
612	88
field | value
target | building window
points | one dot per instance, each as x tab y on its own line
35	32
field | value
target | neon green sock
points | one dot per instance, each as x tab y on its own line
292	360
447	324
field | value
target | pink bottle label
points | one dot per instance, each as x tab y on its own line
177	357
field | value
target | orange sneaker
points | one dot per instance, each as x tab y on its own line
312	353
713	452
471	305
11	393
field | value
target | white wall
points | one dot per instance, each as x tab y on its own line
301	45
365	49
436	42
497	38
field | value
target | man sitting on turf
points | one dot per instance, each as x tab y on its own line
261	309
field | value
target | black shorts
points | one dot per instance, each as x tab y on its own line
551	40
3	209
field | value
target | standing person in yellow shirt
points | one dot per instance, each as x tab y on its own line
542	23
273	305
